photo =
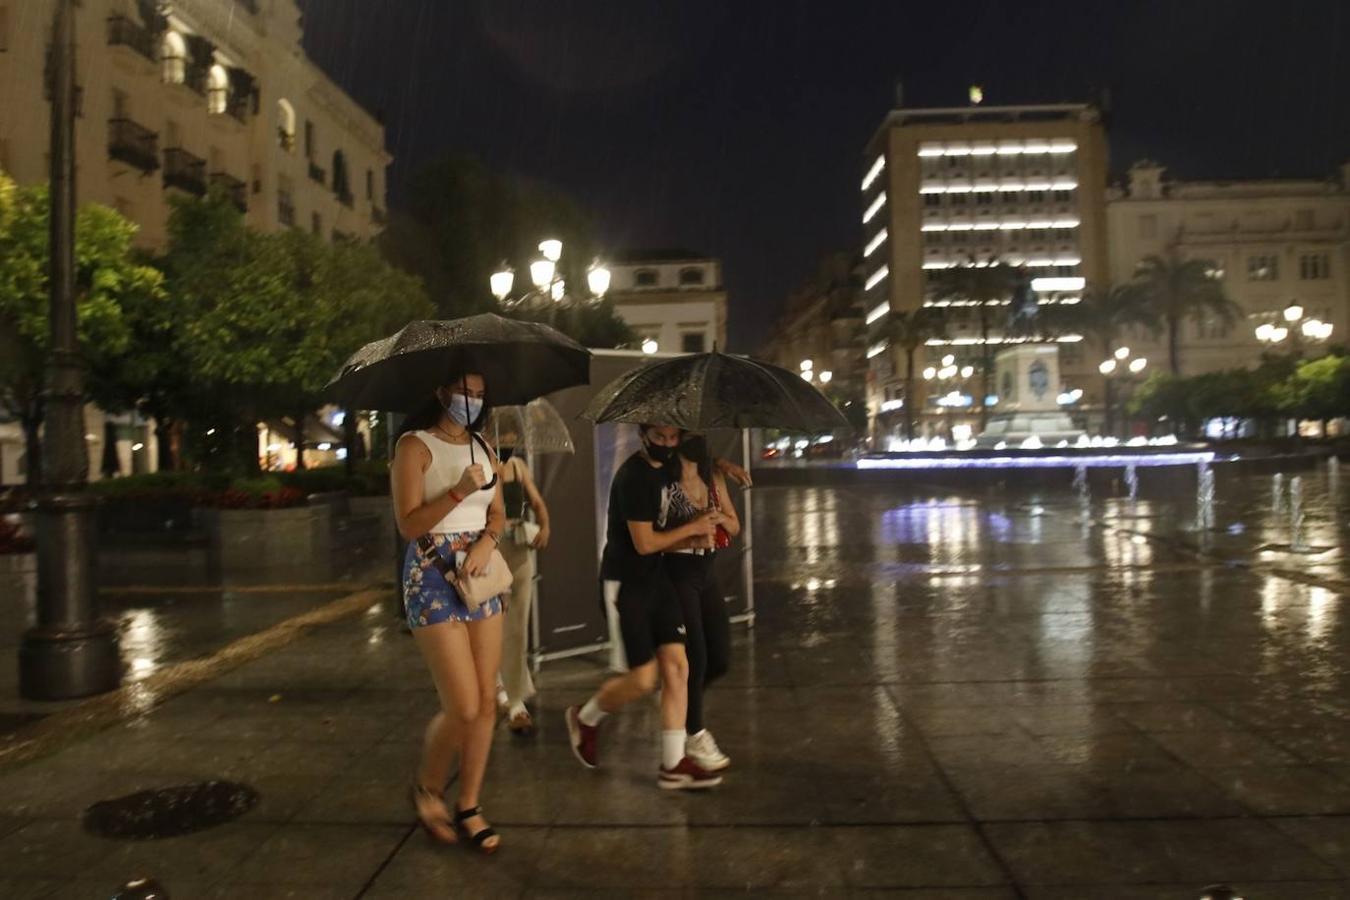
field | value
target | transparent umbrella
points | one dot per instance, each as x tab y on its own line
535	427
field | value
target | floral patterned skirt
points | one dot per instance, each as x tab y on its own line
428	597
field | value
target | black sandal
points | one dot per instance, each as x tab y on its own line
478	840
422	792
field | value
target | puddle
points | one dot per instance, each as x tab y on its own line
169	812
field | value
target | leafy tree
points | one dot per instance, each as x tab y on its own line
463	220
1318	389
911	330
108	279
988	286
264	320
1165	396
1176	290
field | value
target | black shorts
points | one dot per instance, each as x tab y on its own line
649	616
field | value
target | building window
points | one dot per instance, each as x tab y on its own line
217	90
1035	196
692	342
370	185
1263	268
1212	329
691	276
4	154
4	28
958	199
1148	226
645	278
1011	198
316	224
119	104
173	56
172	135
1314	266
1063	196
286	125
931	200
310	141
341	185
984	198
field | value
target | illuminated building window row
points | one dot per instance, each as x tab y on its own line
1005	225
876	277
1002	148
873	172
876	206
1062	184
875	242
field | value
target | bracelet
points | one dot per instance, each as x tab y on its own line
495	540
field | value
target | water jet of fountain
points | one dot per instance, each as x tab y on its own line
1297	542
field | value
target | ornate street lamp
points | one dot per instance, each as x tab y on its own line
548	288
1292	326
71	651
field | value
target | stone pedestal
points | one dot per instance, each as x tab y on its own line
1026	378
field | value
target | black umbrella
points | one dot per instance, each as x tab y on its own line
713	390
519	360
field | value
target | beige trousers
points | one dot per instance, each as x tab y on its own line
516	636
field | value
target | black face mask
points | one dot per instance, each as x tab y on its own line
505	453
695	448
661	455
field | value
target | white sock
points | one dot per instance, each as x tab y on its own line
672	748
516	709
591	714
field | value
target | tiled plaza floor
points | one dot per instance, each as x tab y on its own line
945	696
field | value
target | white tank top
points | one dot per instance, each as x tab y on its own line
448	462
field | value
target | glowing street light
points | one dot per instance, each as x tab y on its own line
1123	353
501	281
826	377
1107	367
597	279
1137	364
1293	312
929	373
967	371
650	346
541	272
551	249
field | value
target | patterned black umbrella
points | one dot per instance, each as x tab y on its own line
519	360
714	390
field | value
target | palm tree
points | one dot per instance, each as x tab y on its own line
1176	289
1101	316
909	331
985	285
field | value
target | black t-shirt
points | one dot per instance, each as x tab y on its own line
634	496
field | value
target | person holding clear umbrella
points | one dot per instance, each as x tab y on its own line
520	540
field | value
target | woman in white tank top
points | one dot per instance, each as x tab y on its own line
448	505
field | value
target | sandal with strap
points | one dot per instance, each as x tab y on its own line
478	840
447	830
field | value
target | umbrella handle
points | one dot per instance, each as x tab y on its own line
467	424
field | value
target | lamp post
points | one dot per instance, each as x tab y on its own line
548	288
1118	365
71	651
1293	326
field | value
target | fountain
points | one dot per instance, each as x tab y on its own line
1132	483
1297	542
1029	413
1204	497
1333	474
1277	493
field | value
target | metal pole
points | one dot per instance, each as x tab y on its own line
72	651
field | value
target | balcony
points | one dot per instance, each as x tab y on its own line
133	144
122	32
286	210
317	174
184	171
232	188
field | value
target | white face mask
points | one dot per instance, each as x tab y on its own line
462	413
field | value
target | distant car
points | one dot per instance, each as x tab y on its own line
771	453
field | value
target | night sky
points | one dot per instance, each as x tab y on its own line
736	127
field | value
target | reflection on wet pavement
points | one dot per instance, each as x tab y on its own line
988	694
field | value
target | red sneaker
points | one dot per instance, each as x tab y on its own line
583	739
687	776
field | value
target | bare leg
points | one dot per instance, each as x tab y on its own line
674	665
445	648
619	691
485	639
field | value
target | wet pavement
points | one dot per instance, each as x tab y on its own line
947	695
